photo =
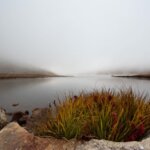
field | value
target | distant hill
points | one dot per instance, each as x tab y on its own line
9	70
128	73
139	76
125	71
26	75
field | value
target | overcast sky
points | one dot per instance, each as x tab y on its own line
73	36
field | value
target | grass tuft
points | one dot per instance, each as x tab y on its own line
105	114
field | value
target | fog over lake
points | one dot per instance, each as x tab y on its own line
69	37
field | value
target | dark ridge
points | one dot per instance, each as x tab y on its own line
138	76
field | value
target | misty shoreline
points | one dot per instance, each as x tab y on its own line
26	75
137	76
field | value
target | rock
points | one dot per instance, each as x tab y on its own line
38	114
16	104
109	145
15	137
20	117
3	118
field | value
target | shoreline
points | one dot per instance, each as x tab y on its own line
27	76
137	76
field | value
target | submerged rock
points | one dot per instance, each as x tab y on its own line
3	118
16	104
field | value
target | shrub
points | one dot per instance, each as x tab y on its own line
110	115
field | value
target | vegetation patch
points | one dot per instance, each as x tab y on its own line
106	114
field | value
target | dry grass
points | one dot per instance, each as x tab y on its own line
106	114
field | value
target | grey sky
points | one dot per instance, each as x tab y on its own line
71	36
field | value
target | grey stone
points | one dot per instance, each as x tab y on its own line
3	118
109	145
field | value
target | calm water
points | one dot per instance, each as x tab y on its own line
32	93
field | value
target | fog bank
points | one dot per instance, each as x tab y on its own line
79	36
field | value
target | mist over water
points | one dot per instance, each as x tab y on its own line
69	37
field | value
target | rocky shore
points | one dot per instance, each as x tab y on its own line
3	118
15	137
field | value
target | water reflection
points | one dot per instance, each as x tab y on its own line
31	93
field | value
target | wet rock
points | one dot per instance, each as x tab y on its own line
3	118
20	117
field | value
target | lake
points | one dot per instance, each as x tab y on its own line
33	93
